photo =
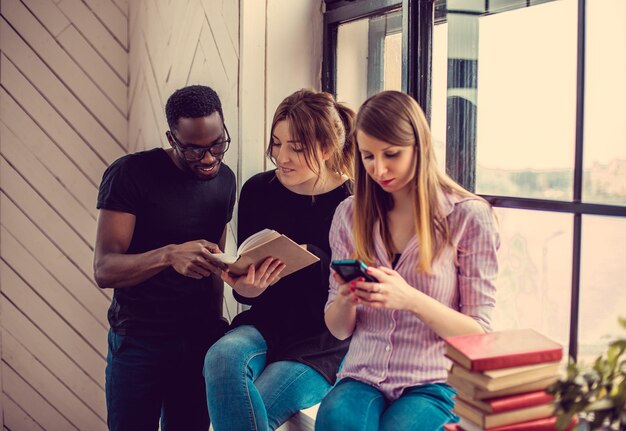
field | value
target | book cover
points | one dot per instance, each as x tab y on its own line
506	378
486	420
545	424
471	391
503	349
263	244
509	402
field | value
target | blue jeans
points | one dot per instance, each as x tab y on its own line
148	378
353	405
245	393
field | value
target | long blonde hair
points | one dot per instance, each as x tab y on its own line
316	119
397	119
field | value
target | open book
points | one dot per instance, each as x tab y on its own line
260	246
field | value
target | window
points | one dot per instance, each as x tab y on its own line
524	98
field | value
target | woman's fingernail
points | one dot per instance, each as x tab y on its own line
353	283
352	289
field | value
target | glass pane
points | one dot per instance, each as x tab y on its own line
524	99
352	46
439	85
534	284
604	179
392	65
369	57
527	102
602	275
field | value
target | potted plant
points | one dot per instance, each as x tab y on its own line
597	394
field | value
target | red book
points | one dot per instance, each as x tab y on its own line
545	424
493	420
503	349
510	402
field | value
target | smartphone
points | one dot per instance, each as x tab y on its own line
350	269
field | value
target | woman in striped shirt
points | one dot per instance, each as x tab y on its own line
432	246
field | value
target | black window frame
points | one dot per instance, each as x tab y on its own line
418	20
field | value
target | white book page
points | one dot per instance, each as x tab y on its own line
253	240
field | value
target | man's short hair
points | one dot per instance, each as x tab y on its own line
194	101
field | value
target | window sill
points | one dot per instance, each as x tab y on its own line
304	420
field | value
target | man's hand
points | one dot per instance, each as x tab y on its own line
255	281
192	259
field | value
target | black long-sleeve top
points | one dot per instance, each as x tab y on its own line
290	314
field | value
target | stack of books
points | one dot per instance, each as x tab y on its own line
501	377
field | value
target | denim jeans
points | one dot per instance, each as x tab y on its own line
148	378
353	405
245	393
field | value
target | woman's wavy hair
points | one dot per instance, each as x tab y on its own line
317	121
397	119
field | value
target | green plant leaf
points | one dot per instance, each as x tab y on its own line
620	344
599	389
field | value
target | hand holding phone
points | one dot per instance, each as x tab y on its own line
349	269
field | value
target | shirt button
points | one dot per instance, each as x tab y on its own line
387	348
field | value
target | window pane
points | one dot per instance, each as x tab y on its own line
393	62
526	113
369	57
525	99
352	62
604	178
602	298
534	284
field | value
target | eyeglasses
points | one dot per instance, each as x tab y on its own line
197	153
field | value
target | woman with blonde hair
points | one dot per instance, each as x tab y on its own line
281	358
431	245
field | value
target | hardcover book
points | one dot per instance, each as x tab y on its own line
545	424
470	391
510	402
506	378
263	244
486	420
504	349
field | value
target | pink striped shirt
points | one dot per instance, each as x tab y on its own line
392	349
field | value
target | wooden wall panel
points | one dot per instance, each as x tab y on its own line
49	386
175	44
17	419
50	121
63	118
25	396
57	361
83	82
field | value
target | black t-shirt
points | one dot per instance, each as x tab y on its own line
290	314
171	207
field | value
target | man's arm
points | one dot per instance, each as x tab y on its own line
113	268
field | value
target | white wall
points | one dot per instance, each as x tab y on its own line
294	49
281	52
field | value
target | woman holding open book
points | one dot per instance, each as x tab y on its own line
281	358
431	245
